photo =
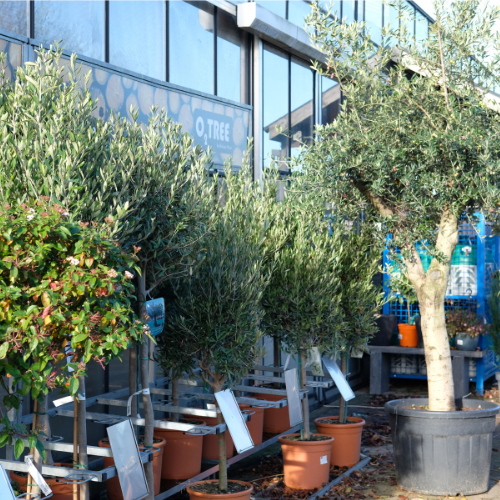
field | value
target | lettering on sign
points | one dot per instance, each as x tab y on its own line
214	130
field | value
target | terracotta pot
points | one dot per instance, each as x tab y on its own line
306	463
408	336
346	446
113	485
242	495
276	420
61	491
211	442
182	459
256	424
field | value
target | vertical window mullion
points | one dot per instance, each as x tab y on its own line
167	41
215	50
106	31
31	14
289	142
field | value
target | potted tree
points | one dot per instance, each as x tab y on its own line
59	282
218	306
360	300
415	147
302	311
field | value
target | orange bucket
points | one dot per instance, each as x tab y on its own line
408	336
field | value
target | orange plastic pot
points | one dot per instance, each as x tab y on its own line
276	420
256	423
113	485
408	336
182	459
242	495
306	463
61	491
211	442
346	446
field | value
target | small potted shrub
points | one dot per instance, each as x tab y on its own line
302	311
465	328
359	302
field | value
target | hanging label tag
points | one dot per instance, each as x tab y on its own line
63	401
400	337
323	460
314	362
37	477
460	342
211	406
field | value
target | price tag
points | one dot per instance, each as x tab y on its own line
323	460
460	342
37	477
400	337
63	401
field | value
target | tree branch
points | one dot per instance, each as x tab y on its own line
377	202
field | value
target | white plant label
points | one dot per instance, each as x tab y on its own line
63	401
323	460
339	378
36	475
460	342
400	337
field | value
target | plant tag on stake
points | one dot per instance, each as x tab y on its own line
314	361
234	420
129	402
293	396
339	379
155	309
128	461
6	491
37	477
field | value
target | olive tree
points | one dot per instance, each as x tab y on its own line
415	146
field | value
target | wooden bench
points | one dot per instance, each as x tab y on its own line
380	366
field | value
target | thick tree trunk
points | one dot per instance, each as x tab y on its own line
146	398
305	401
431	290
221	441
83	459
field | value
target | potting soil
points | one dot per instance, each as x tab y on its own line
213	488
336	421
313	437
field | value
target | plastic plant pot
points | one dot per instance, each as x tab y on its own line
276	420
183	457
306	463
442	452
408	336
198	495
211	442
113	485
256	423
386	325
346	447
465	343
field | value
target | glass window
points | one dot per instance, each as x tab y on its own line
275	103
373	18
191	45
298	10
409	20
276	6
232	59
348	10
330	100
421	27
14	17
80	26
137	37
302	109
391	17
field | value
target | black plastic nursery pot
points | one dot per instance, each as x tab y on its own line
442	453
386	326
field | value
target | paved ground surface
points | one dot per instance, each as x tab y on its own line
376	480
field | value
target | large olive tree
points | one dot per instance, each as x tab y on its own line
416	146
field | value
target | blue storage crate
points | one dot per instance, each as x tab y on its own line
476	257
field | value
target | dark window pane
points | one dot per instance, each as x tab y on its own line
348	10
14	17
275	103
298	10
373	18
191	45
137	37
330	100
302	98
232	59
278	7
80	26
422	28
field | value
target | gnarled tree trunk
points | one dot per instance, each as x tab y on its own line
221	441
431	290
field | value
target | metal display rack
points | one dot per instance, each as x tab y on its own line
158	388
